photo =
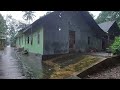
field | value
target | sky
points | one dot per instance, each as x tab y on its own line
18	14
95	13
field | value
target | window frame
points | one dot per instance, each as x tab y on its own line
28	40
31	39
38	38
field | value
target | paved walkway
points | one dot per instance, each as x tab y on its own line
9	67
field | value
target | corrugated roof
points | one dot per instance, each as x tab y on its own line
106	25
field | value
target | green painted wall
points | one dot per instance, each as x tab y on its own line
36	47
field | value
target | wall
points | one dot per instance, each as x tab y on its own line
57	42
55	36
83	31
113	32
35	47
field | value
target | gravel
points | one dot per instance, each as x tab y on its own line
110	73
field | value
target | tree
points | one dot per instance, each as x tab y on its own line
28	16
20	25
105	16
13	27
3	26
115	47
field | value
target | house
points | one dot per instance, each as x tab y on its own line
61	32
112	30
2	40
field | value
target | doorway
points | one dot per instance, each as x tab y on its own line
103	45
72	40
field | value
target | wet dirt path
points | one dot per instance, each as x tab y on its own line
9	66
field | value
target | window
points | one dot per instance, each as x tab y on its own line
38	38
22	39
28	39
19	40
31	39
25	40
88	40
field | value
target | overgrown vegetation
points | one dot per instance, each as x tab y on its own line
60	70
115	47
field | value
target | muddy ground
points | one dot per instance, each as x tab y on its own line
65	66
15	65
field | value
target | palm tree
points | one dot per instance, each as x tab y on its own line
28	16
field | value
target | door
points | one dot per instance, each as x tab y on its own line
71	39
103	44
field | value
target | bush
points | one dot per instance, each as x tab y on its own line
115	47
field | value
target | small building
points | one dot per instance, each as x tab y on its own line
2	40
111	29
61	32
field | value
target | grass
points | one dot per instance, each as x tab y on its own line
76	64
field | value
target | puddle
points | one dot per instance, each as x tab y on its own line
32	66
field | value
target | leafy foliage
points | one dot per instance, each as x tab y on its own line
13	27
3	26
28	16
115	47
105	16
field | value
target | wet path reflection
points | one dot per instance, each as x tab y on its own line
9	66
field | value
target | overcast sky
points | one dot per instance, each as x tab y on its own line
18	14
95	13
